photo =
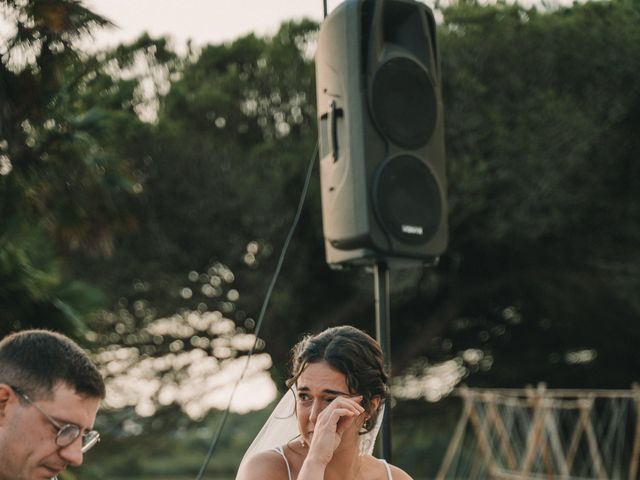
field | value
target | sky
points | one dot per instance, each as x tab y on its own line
202	21
211	21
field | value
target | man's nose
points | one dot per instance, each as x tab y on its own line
72	453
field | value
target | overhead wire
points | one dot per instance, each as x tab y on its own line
214	442
265	303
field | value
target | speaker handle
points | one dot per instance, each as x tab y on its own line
334	113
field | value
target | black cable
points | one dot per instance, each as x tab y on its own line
265	303
324	2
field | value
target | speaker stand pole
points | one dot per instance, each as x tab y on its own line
381	285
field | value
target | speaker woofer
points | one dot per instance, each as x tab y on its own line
407	199
404	102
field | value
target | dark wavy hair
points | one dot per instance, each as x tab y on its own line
36	361
354	354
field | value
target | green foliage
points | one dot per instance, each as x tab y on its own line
233	123
51	185
544	214
33	292
541	89
65	183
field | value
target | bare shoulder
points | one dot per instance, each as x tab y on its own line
399	474
375	468
267	465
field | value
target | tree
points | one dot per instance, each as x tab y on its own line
61	188
542	267
229	127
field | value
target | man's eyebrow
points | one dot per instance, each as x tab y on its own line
65	422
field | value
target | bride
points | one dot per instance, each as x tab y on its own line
325	426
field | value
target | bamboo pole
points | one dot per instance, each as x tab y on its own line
596	458
556	446
455	441
503	436
536	430
483	441
577	433
499	454
635	455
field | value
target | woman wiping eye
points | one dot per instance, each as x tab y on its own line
327	396
307	398
325	426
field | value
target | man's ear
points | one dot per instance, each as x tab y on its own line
6	392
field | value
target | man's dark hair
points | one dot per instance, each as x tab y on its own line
37	361
351	352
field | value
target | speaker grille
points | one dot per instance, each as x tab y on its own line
404	102
407	200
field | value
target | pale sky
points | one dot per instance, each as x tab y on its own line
203	21
206	21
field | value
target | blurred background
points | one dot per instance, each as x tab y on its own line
147	185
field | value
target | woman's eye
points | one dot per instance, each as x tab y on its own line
329	400
303	397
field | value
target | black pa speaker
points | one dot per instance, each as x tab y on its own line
381	134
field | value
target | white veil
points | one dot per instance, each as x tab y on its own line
282	426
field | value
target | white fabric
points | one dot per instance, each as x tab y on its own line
280	450
386	465
282	426
286	462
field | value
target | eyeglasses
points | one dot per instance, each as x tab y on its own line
67	434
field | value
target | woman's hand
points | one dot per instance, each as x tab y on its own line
339	416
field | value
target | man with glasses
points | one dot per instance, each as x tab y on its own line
49	396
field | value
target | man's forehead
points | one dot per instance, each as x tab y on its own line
69	406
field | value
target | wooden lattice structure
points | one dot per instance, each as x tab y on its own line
542	434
